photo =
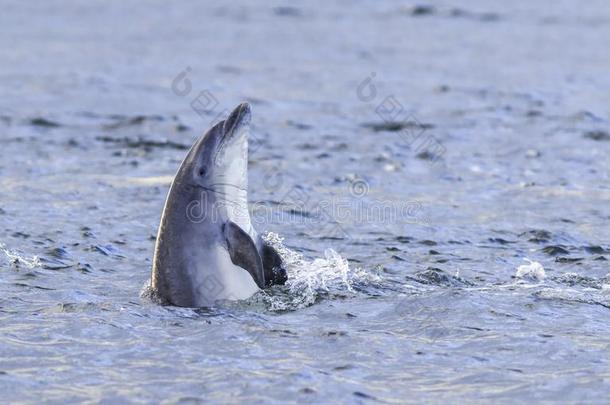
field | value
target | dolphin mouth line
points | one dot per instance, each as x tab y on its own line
222	195
233	125
214	190
230	185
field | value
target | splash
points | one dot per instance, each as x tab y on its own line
17	259
308	280
532	271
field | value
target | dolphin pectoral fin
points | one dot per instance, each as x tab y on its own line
273	265
243	252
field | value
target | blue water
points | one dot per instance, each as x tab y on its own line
405	160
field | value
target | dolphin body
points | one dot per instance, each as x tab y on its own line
207	249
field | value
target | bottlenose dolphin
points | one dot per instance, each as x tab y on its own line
207	249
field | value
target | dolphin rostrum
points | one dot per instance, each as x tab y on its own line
207	249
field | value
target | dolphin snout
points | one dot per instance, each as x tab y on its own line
238	118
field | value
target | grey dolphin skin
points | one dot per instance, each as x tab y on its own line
207	249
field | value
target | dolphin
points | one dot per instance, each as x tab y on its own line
207	249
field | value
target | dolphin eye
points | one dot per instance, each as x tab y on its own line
201	171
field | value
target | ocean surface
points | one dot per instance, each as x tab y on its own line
405	158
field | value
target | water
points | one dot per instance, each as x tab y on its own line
403	233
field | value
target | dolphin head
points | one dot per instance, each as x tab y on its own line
218	161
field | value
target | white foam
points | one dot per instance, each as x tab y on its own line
16	258
531	271
308	279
